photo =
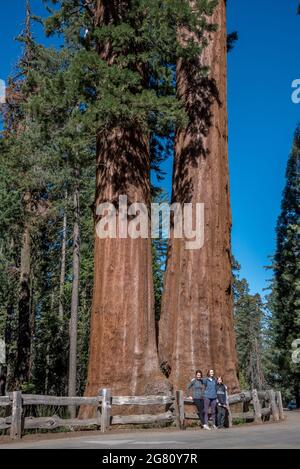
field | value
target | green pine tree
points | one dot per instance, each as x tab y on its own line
285	299
248	316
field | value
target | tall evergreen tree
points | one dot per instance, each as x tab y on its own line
43	140
71	149
285	305
16	125
248	319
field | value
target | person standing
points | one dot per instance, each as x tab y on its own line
210	398
2	381
197	388
221	402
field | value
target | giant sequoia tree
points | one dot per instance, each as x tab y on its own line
196	326
123	324
126	49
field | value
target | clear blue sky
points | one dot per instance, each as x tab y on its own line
262	117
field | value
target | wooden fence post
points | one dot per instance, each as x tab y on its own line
180	420
105	410
99	409
280	405
257	407
229	413
274	408
17	416
230	423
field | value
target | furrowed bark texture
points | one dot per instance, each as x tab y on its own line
123	352
196	326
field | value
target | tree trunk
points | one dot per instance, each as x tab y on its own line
10	338
123	352
24	330
32	326
196	326
63	267
47	369
74	303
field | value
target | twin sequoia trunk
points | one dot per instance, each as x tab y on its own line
196	326
123	352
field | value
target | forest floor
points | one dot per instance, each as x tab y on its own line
285	434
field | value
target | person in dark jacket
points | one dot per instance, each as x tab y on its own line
221	402
2	381
197	389
210	398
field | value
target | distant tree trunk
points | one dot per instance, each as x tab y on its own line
196	326
24	329
10	333
31	326
63	267
47	369
74	303
9	342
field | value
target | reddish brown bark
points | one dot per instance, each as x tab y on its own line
196	326
123	351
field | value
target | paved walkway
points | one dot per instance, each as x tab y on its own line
285	434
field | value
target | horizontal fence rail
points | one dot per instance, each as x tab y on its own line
31	399
264	404
5	401
142	400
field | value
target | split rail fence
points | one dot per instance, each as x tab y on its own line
256	406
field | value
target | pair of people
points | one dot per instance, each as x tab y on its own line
209	393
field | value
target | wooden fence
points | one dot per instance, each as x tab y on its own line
257	406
